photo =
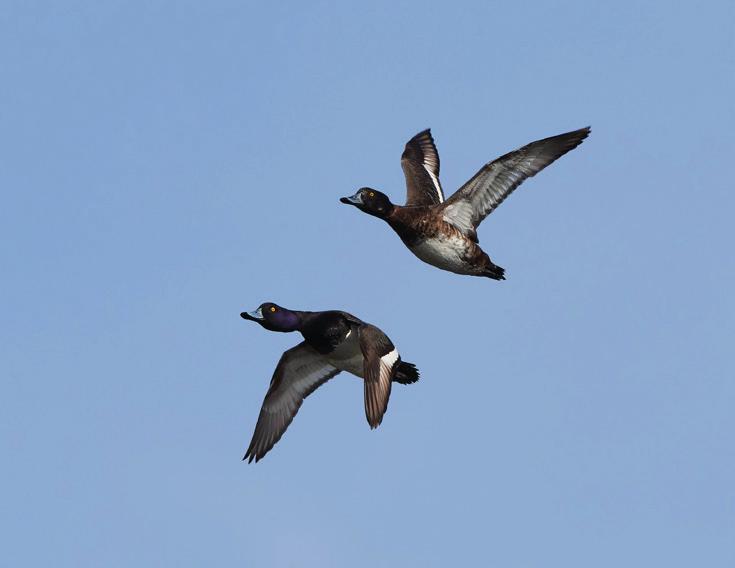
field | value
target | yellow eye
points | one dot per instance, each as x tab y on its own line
273	308
372	194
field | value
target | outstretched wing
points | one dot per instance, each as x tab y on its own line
380	364
420	163
300	372
496	180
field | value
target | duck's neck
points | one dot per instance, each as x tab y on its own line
389	211
289	320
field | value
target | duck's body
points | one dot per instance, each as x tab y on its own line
444	233
439	243
334	341
347	355
337	335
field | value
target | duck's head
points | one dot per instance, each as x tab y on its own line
371	201
273	317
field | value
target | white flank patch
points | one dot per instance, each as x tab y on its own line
446	253
348	356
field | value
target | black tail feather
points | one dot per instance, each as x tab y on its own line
495	272
406	374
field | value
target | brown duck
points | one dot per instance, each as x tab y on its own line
444	233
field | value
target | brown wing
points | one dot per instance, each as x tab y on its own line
420	163
496	180
300	372
381	362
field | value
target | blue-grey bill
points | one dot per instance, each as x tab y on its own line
257	314
353	199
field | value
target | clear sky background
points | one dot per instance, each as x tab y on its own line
164	166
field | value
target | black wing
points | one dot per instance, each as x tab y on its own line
420	163
496	180
380	364
300	372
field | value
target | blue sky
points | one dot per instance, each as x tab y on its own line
164	166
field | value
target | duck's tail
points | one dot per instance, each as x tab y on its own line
406	374
494	271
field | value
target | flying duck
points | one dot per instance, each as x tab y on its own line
444	233
334	341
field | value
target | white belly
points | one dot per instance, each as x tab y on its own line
348	356
444	252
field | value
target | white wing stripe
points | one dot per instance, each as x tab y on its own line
435	181
389	359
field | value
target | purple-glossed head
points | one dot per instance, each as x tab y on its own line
273	317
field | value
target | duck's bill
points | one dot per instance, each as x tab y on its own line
256	315
353	199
